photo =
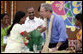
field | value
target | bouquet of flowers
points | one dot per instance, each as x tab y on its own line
35	39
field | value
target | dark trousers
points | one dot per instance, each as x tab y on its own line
62	47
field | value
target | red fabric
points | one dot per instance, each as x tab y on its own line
21	33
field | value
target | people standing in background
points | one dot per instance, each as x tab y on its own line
16	33
32	22
4	27
41	17
15	40
78	22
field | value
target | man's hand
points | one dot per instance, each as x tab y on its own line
56	48
53	49
39	27
42	29
25	34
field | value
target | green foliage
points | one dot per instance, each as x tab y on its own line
35	39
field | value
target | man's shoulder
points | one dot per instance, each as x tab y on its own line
38	19
17	25
57	17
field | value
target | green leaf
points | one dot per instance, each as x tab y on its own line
67	5
69	13
35	38
73	20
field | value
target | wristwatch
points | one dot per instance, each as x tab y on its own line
57	48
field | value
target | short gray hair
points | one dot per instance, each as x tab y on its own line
47	6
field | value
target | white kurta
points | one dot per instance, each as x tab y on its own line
30	25
15	40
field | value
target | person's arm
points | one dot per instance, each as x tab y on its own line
58	45
79	42
62	31
25	34
41	28
56	48
79	45
80	39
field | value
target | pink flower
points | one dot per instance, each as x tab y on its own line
58	7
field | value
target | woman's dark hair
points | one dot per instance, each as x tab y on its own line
39	9
18	16
79	17
2	15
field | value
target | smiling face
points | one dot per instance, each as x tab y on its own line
31	13
6	19
43	12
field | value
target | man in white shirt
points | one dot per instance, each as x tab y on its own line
32	22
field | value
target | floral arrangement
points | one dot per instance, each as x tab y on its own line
35	39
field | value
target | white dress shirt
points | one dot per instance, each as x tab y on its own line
30	25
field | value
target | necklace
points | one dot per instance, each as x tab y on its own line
48	35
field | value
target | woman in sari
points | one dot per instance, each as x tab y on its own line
16	33
4	27
15	40
78	22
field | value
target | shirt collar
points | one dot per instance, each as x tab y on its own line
31	20
50	17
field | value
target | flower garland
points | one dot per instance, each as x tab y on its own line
48	35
